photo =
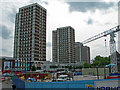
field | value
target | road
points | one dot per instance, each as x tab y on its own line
5	84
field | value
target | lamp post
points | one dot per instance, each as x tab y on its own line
97	73
104	71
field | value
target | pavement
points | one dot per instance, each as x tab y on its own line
0	86
7	85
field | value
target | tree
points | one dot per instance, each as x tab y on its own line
101	61
79	67
87	65
33	68
69	67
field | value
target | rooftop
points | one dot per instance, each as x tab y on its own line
33	5
65	27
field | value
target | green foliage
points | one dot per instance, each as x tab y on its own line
79	67
53	66
87	65
101	61
33	68
69	67
74	67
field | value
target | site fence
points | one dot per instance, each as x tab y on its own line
67	85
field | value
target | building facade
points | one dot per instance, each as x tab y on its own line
30	35
119	24
54	46
119	42
82	53
63	42
86	54
78	52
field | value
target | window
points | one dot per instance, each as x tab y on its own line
15	64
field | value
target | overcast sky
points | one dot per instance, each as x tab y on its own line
87	18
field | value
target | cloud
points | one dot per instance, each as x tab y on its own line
107	23
41	1
90	21
12	15
9	11
48	44
5	32
4	50
89	6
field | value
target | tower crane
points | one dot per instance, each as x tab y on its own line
111	32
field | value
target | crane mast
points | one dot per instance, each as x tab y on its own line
113	56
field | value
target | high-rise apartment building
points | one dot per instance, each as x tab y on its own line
78	52
82	53
86	54
63	41
30	34
119	42
54	46
119	24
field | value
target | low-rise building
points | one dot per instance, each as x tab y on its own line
7	63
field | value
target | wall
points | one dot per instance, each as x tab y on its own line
93	71
87	77
119	24
71	84
18	82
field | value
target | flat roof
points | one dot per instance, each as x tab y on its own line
65	27
32	5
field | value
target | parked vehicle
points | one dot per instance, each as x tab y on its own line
6	74
63	78
31	80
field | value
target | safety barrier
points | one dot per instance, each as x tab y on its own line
52	85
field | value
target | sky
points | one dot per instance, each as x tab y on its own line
88	18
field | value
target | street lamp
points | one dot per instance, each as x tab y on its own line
97	73
104	72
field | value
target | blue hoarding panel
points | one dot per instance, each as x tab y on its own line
18	82
67	85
